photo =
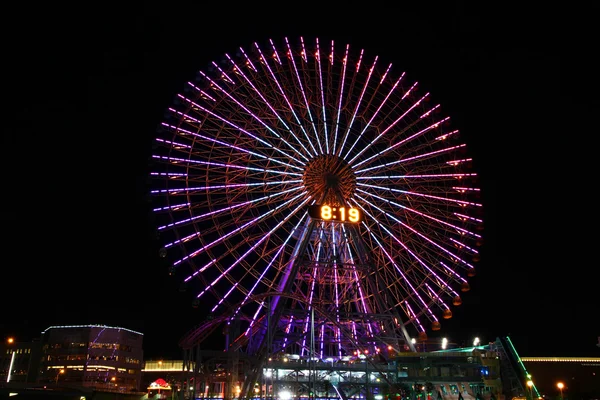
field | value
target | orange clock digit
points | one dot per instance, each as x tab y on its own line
325	212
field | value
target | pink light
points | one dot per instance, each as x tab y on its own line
323	110
369	124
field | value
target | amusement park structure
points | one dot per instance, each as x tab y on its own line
490	371
329	210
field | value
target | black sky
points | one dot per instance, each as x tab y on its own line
86	93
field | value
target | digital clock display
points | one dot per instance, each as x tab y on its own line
335	213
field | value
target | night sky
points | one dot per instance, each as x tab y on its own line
84	95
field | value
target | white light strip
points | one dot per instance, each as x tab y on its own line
12	361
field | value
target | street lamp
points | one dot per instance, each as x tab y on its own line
530	384
60	371
560	387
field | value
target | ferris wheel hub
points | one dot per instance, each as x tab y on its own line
329	174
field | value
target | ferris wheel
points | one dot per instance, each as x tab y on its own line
317	199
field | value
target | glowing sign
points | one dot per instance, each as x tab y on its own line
326	212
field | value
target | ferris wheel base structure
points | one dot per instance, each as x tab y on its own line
484	372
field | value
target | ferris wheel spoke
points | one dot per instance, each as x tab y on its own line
323	104
402	117
414	317
226	209
237	230
279	253
436	299
451	273
222	188
415	292
215	141
449	226
239	70
304	56
172	207
351	87
368	124
427	239
428	197
238	260
419	157
233	125
358	103
281	91
404	141
429	270
344	63
349	264
248	271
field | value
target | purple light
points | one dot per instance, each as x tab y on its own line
358	103
339	107
450	254
248	61
324	124
411	312
275	54
222	143
186	238
224	76
390	127
286	99
369	123
399	270
269	265
290	52
246	110
174	144
290	105
303	52
258	92
420	156
445	199
228	209
237	127
174	207
331	54
454	274
242	227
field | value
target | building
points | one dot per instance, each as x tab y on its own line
94	361
19	361
578	376
91	356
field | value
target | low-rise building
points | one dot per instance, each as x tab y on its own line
93	356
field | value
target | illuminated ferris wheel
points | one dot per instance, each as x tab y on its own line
317	200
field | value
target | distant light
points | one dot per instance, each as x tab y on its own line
285	395
476	342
